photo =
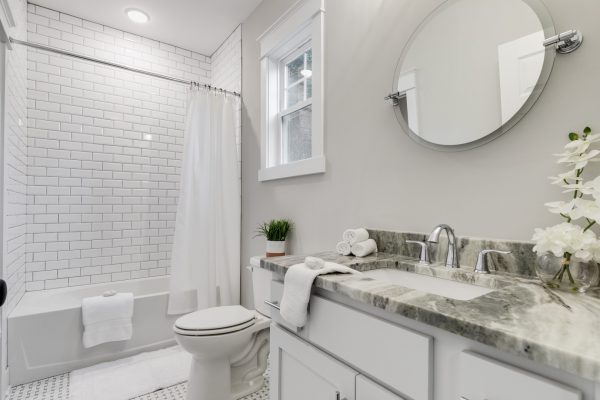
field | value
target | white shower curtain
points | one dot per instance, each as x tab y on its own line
206	245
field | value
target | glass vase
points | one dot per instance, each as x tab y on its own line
566	273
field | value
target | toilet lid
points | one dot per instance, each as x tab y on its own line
216	318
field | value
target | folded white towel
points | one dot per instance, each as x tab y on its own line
353	236
343	248
296	289
107	319
365	248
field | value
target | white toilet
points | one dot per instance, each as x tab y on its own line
229	345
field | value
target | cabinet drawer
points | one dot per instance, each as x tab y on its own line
398	357
369	390
484	378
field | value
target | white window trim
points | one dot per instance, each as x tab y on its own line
303	22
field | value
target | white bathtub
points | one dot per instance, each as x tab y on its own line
45	329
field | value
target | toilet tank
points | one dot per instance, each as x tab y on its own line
261	286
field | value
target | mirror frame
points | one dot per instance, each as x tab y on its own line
550	54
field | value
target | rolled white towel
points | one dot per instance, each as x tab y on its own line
314	263
365	248
353	236
343	248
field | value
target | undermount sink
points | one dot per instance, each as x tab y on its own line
423	283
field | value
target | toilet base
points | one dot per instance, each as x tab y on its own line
209	380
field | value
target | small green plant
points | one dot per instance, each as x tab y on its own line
275	230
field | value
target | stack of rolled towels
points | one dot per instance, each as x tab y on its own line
357	242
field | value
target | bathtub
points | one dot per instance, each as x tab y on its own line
45	329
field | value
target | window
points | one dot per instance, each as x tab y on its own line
291	94
296	106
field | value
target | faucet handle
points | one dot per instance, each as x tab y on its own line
482	262
424	256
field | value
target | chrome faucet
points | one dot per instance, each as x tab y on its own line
434	236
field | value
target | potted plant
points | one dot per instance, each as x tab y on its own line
276	232
568	252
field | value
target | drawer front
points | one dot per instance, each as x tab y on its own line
369	390
398	357
484	378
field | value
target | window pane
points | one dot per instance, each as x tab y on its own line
309	59
294	95
309	88
297	135
293	69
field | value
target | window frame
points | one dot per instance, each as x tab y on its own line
299	29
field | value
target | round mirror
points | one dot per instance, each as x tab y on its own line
471	70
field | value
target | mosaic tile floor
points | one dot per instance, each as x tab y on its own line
57	388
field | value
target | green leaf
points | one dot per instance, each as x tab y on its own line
587	130
573	136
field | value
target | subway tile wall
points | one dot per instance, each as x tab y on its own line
104	152
15	165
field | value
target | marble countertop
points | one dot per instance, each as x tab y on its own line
520	316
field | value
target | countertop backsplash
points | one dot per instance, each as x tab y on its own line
520	262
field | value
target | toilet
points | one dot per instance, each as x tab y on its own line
229	345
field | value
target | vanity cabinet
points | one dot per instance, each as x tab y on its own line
357	353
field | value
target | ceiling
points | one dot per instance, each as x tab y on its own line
198	25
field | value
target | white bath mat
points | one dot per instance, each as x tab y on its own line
130	377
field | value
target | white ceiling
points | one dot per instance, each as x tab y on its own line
198	25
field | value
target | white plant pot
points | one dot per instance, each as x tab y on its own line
275	248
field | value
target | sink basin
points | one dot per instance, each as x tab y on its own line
423	283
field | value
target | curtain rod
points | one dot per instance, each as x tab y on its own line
121	66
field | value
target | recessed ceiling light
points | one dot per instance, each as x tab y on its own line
137	16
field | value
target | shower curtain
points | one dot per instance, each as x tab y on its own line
206	245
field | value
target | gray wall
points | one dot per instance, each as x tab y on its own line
376	176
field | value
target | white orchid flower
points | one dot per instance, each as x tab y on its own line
560	207
592	188
580	160
585	209
560	178
566	238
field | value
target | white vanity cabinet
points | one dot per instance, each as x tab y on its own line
348	351
301	372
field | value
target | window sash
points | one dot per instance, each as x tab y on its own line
284	87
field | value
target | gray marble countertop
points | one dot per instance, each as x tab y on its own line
520	316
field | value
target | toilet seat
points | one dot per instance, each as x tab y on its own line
215	321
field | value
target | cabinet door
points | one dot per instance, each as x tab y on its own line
484	378
300	372
366	389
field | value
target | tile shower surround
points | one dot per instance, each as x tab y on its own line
104	151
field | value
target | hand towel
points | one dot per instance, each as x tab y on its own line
296	289
353	236
107	319
343	248
365	248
